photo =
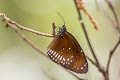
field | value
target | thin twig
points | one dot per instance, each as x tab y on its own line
17	29
109	18
85	32
30	43
111	54
97	64
80	5
53	27
91	61
8	21
118	28
37	49
114	13
100	68
26	40
75	75
118	43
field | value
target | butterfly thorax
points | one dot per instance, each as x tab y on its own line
62	30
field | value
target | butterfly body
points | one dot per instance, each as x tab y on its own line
66	51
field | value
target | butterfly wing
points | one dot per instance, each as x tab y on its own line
66	51
80	64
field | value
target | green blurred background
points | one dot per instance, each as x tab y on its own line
18	61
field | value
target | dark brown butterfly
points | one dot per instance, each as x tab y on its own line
66	51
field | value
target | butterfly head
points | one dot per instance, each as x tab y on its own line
62	30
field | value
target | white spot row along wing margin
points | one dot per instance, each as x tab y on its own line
58	58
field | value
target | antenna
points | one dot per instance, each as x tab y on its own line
61	17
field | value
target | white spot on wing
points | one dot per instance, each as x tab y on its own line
74	66
71	56
85	64
81	51
81	68
63	59
68	59
53	58
61	52
66	62
50	50
63	63
69	48
56	60
54	53
60	58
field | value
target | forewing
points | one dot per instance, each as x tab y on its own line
65	50
80	64
61	50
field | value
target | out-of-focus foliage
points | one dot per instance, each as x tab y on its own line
18	61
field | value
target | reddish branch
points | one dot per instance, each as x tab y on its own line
80	5
105	72
85	32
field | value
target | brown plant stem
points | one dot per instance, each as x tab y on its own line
106	76
37	49
80	5
111	54
91	61
86	34
17	27
29	42
118	43
13	23
97	64
114	13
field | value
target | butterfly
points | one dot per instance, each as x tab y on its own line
66	51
